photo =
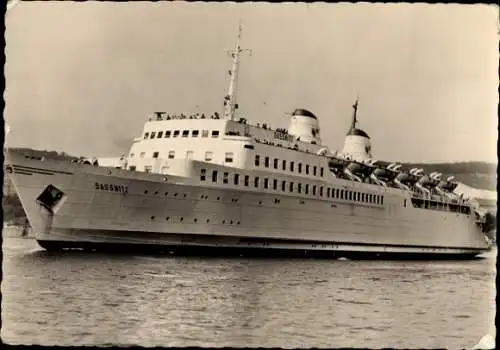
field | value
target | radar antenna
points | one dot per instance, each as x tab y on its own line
230	104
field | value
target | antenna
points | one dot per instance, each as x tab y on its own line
230	104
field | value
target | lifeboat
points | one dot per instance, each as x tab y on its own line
337	165
448	185
426	183
358	171
404	180
384	172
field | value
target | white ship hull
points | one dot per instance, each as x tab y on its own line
116	209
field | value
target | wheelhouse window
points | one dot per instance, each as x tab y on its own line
229	157
215	133
185	133
176	133
195	133
204	133
171	154
146	135
168	133
156	154
153	134
257	160
160	135
208	156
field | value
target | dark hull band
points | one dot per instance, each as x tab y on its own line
255	252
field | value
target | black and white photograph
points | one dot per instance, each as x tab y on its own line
250	174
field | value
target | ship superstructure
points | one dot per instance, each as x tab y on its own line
218	183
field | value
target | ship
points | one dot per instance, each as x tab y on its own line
218	184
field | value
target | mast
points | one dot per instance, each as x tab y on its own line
354	114
230	104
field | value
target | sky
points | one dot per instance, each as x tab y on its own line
82	77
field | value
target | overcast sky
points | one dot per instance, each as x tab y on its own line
82	77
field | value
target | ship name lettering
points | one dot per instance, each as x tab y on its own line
111	187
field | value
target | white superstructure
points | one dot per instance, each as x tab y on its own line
218	183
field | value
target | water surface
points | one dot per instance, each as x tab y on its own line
94	299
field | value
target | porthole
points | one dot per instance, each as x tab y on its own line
182	219
218	198
167	218
156	192
237	222
231	222
223	221
195	220
152	217
185	195
208	220
260	202
166	194
175	194
201	196
146	192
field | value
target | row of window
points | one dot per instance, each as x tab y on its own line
291	166
443	206
297	187
177	133
228	156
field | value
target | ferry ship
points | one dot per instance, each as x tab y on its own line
218	184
